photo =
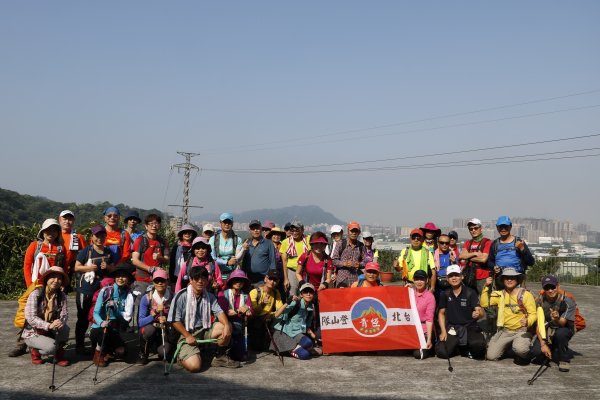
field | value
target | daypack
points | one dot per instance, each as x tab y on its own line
468	273
218	239
326	261
361	247
496	243
19	321
580	323
107	294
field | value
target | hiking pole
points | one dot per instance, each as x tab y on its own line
539	372
449	364
274	344
162	331
245	320
52	387
101	347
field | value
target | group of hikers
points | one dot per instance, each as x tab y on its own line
215	293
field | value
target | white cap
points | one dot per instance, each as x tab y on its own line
474	221
66	212
336	229
367	234
208	227
453	269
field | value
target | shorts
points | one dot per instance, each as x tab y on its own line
188	350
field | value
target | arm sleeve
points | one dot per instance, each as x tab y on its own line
218	276
531	308
98	307
215	307
527	258
126	250
129	306
491	261
144	316
273	261
182	272
336	257
28	263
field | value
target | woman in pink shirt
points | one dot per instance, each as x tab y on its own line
426	309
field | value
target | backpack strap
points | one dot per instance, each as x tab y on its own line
522	307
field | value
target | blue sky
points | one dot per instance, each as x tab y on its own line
97	98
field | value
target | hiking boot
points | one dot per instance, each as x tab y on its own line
99	359
224	361
36	357
564	366
19	349
60	358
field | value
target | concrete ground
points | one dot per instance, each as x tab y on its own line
387	375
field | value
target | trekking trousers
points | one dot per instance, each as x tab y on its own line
47	344
519	340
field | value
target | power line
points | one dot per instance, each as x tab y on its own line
427	119
455	163
251	170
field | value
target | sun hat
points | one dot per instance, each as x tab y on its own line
201	241
367	235
187	228
268	224
239	275
430	226
275	230
474	221
132	214
318	237
125	267
47	224
56	270
510	272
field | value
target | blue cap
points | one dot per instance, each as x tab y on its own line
503	220
225	216
112	210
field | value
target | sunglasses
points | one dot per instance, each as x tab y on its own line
160	280
549	287
503	227
444	243
227	222
416	237
474	228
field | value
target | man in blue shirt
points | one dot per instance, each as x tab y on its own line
259	257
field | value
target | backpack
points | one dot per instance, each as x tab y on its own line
218	239
185	280
326	260
19	321
468	273
107	294
496	243
580	323
145	242
361	247
40	299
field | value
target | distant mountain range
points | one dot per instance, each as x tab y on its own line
309	215
23	209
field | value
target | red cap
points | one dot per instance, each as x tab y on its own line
416	231
372	266
353	225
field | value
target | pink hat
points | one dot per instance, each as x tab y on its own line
56	270
239	275
372	266
430	226
202	240
318	237
160	273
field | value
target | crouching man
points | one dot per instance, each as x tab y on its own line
196	314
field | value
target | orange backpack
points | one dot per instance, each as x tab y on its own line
580	323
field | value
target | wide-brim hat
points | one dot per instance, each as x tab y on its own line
275	230
239	275
187	228
126	267
430	226
47	224
201	241
510	272
133	215
56	270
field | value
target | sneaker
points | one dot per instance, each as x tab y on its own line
19	349
564	366
225	361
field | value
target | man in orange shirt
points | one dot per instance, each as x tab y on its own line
72	242
117	239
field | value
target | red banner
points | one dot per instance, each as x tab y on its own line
369	319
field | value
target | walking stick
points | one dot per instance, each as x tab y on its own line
539	372
449	364
274	344
52	387
162	330
101	347
245	321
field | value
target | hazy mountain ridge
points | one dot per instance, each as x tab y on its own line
309	215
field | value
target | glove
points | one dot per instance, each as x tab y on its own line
104	324
111	304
